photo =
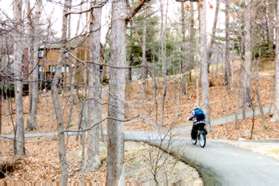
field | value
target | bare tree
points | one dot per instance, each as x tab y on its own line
204	57
163	58
69	20
115	152
143	46
1	94
72	71
94	89
270	10
29	27
214	28
192	44
56	101
18	57
183	48
35	69
227	73
276	101
248	56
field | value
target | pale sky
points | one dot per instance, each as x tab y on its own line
52	9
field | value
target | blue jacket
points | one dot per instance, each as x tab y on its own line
197	116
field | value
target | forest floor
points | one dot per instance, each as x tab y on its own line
266	147
144	101
258	127
41	165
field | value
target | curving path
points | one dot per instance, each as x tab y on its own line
183	130
218	163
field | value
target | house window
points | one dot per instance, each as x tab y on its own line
41	69
40	53
58	69
52	68
66	68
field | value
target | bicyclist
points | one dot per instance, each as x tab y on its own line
198	118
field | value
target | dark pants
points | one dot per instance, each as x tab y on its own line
195	129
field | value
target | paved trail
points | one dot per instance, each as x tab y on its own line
181	130
219	163
185	128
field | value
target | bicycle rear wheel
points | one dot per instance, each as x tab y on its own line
202	139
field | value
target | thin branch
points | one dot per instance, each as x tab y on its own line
100	5
99	122
136	10
105	65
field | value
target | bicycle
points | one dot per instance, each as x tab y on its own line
201	137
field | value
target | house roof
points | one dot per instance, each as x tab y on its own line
72	43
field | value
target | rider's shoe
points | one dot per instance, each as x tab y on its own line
194	141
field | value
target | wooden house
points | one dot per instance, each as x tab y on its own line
50	55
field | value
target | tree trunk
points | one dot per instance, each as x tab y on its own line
1	94
30	42
130	70
35	69
144	61
204	56
212	39
72	73
19	136
192	39
94	90
276	101
248	56
115	152
267	22
66	76
163	58
183	31
72	68
162	41
69	21
227	73
270	10
183	50
56	101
